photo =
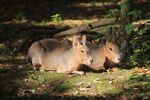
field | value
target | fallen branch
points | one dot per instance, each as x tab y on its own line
86	27
142	22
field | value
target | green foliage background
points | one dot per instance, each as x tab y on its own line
139	38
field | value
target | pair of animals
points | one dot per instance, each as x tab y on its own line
68	57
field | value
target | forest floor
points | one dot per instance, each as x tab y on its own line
19	81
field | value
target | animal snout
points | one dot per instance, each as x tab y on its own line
121	56
90	60
117	60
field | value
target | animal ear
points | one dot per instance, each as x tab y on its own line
75	41
104	40
83	39
107	42
113	39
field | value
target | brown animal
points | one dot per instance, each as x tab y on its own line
60	56
104	55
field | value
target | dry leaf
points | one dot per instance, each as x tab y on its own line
80	83
148	72
75	93
89	85
110	82
97	81
84	89
120	77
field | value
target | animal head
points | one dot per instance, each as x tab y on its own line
111	51
82	52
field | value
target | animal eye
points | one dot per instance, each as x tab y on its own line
110	49
82	51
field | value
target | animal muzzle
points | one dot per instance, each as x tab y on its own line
117	60
89	61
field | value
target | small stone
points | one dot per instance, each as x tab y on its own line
20	66
38	88
26	80
33	90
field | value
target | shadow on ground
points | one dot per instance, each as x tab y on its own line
24	83
43	9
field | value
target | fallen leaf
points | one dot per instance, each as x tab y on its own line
84	89
97	81
148	72
89	85
120	77
75	93
80	83
110	82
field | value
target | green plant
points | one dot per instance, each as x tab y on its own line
135	14
56	18
129	28
21	16
113	13
139	41
141	48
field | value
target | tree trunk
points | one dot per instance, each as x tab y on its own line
126	7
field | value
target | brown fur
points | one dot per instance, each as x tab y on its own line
60	56
104	54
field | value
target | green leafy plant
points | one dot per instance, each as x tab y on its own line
141	47
56	18
138	39
129	28
113	12
135	14
21	16
140	77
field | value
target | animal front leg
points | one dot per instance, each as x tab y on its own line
78	72
41	69
69	71
60	70
36	67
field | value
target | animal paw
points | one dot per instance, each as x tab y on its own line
41	70
78	72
